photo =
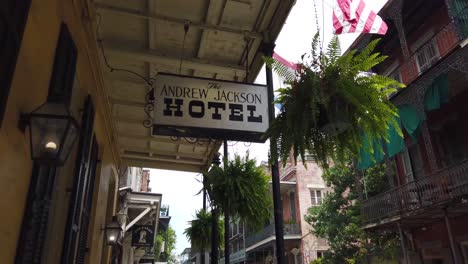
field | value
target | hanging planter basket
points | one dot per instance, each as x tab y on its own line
334	120
328	104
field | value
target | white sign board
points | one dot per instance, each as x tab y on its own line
209	108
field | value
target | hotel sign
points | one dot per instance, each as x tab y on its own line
143	236
208	108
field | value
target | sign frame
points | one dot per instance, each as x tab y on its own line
178	129
143	236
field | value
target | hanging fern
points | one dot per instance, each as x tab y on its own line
330	103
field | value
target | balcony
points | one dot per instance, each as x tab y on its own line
409	199
441	44
269	231
235	257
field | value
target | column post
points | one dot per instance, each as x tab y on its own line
278	208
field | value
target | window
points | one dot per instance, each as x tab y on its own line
426	56
416	161
316	197
292	204
449	137
320	253
394	73
406	165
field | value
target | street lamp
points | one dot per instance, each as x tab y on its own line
113	232
52	131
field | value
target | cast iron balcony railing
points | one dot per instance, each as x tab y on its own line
235	257
441	44
268	231
441	187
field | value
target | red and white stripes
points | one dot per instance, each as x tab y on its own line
290	65
354	16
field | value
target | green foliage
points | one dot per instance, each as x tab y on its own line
199	231
240	188
169	246
338	219
332	89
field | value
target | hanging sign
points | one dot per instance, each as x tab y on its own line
142	236
208	108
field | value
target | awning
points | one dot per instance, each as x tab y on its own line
438	93
147	37
374	152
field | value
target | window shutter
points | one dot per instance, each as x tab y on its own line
63	75
13	14
36	216
87	204
82	171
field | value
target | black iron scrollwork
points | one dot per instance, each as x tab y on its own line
149	108
193	141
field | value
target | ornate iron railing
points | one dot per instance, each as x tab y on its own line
235	257
430	52
266	232
441	187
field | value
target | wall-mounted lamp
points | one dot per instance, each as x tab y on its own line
113	232
52	131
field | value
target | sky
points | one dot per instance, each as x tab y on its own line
179	189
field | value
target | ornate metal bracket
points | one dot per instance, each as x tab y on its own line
149	108
193	141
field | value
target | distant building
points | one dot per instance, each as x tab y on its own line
301	188
137	204
145	180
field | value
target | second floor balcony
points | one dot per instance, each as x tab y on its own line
410	199
269	231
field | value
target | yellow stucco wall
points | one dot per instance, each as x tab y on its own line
29	89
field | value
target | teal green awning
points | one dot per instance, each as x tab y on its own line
372	152
410	120
396	143
438	93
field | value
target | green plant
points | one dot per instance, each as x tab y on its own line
170	240
199	231
338	219
241	189
330	103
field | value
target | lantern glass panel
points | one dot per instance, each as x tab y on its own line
70	137
113	233
46	134
53	132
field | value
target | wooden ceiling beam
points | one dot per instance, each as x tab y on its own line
159	18
166	160
156	57
156	152
167	139
162	165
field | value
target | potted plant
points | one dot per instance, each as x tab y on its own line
240	189
199	231
331	103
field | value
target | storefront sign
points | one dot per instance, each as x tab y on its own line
208	108
142	236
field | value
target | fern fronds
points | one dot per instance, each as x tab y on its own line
312	96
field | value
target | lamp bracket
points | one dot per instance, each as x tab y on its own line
23	122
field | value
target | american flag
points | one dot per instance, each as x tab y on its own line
354	16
